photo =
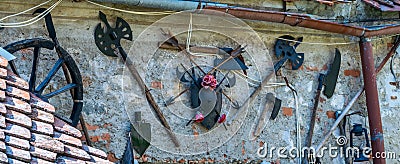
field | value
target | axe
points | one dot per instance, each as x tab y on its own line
329	81
109	39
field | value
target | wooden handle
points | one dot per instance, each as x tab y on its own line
151	100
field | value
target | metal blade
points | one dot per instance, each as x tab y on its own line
331	77
211	119
140	134
6	54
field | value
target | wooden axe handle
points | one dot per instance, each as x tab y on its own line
151	100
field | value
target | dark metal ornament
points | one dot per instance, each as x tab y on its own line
140	135
107	38
331	77
110	38
284	48
211	119
235	64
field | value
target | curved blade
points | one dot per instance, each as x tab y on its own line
208	99
102	42
297	60
212	118
331	77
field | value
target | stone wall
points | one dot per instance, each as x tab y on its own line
105	109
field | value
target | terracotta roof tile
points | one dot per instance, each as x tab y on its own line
3	158
2	135
43	154
63	127
2	146
14	161
384	5
99	160
18	118
19	154
3	109
67	139
18	93
15	81
42	128
3	62
68	160
29	136
40	115
18	105
76	153
3	84
37	103
94	151
46	142
40	161
17	131
2	95
16	142
2	121
3	73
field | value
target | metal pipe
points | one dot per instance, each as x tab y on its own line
293	19
371	94
173	5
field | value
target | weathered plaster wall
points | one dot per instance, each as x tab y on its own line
104	110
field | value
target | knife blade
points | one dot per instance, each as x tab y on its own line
6	54
332	75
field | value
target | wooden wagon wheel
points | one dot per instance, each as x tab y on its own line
71	72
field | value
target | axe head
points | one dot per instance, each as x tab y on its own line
108	38
332	75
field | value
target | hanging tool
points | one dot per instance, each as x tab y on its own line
107	39
329	80
356	96
236	64
140	134
282	48
276	108
263	119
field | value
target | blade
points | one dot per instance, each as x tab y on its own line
331	77
6	54
212	118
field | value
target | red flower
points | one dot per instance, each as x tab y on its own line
222	118
209	81
199	117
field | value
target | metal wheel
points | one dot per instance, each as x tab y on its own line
65	61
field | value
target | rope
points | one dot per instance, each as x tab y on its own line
133	12
32	20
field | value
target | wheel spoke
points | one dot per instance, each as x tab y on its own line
49	76
13	68
61	90
32	80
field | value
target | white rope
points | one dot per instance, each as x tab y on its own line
189	35
133	12
13	15
32	20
